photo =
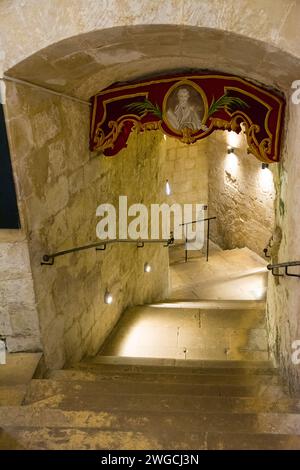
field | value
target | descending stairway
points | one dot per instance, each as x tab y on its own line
130	403
200	377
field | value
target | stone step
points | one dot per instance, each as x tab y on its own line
177	364
155	423
93	439
211	404
211	304
87	393
152	368
12	395
44	438
92	374
143	370
242	441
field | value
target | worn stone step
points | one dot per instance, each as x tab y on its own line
211	304
44	438
87	393
208	404
12	394
155	423
92	374
179	364
243	441
208	368
198	318
93	439
113	402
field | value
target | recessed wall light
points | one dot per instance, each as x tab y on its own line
168	188
108	298
147	268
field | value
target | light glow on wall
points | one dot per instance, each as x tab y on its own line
231	164
265	178
233	139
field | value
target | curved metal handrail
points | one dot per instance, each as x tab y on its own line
101	246
286	265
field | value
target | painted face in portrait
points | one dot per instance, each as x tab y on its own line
185	112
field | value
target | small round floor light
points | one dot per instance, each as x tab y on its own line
108	298
147	268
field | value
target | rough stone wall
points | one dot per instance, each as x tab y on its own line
26	28
241	195
60	186
283	299
19	324
186	169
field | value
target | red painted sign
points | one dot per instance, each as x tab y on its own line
189	108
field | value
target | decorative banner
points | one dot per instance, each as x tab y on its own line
9	215
189	108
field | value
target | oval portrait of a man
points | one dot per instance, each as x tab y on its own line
185	108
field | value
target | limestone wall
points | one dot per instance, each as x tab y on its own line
60	186
241	195
284	292
19	324
186	168
235	188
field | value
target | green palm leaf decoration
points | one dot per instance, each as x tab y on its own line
141	107
226	101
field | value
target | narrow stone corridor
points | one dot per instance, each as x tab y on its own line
216	311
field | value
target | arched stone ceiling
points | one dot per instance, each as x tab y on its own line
30	25
86	63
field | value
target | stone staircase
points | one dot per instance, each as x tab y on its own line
131	403
181	374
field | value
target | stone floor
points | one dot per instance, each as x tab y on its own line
230	274
228	325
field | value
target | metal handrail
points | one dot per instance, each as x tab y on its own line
101	246
207	219
286	266
199	220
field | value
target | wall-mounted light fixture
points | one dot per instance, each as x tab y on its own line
264	166
108	298
147	268
165	137
168	188
230	149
